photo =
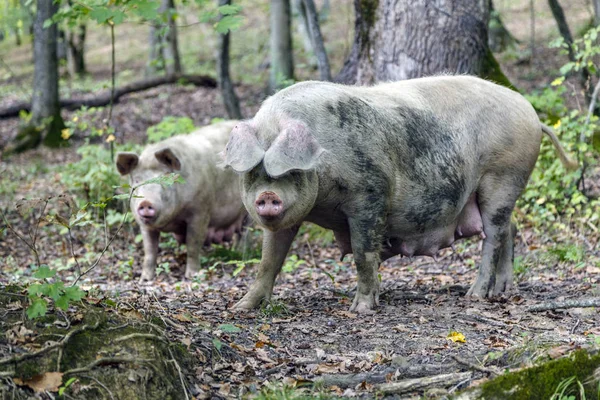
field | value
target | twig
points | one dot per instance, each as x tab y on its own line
410	385
101	384
178	368
590	111
554	305
474	366
140	336
22	238
105	361
62	343
575	326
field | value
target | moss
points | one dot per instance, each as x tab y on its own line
490	69
53	137
369	13
541	382
155	380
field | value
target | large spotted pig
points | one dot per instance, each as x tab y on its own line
205	209
398	168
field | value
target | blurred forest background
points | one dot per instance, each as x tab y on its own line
83	79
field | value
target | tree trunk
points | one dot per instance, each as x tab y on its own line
499	38
299	12
230	99
282	62
565	32
76	54
46	122
596	4
406	39
17	36
155	58
317	39
170	48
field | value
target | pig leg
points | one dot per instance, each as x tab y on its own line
366	247
194	238
275	248
497	200
150	239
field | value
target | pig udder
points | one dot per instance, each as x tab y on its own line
219	235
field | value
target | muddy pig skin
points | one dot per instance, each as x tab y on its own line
206	209
398	168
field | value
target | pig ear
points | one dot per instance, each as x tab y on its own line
166	157
294	149
243	152
126	162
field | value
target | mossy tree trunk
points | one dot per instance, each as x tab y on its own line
230	100
282	61
407	39
46	122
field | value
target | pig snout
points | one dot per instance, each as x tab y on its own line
147	211
269	205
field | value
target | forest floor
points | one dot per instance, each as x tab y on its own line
306	337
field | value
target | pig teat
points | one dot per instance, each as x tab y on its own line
268	205
146	211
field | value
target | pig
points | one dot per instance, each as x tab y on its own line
206	209
403	168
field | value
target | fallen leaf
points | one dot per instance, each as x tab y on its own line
187	342
558	351
181	318
49	381
456	337
331	368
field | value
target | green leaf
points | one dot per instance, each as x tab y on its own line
100	14
217	343
64	387
77	219
229	328
38	308
164	180
74	293
34	289
229	23
55	290
47	23
148	10
44	272
229	9
62	302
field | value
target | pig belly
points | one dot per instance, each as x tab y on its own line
224	233
468	223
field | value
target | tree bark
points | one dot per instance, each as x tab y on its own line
317	39
499	38
282	62
406	39
170	48
596	4
155	58
299	11
565	32
46	122
230	99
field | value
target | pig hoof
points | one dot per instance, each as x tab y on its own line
365	304
249	301
146	277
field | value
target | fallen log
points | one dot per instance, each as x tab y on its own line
428	382
104	98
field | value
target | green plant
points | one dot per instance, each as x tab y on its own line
169	126
163	267
569	253
40	293
564	390
292	263
274	309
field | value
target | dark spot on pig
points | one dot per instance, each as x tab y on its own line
340	185
502	216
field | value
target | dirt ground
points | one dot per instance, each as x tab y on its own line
307	334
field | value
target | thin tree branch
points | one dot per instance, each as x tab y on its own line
555	305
